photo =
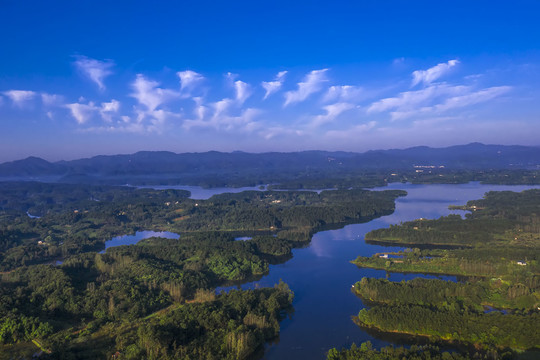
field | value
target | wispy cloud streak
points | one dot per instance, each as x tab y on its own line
20	97
313	82
454	102
148	93
343	93
243	91
189	80
274	86
82	113
411	99
95	70
430	75
332	112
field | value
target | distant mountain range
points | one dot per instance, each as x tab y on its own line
160	163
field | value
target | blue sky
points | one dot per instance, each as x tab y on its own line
82	78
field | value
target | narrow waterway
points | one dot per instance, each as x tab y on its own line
321	275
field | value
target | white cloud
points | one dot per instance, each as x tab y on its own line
473	98
432	74
332	112
20	97
112	106
245	121
85	112
108	108
149	94
200	110
453	102
221	117
126	124
82	112
155	120
222	106
312	83
242	91
51	99
272	87
343	93
189	79
434	99
241	122
410	99
95	70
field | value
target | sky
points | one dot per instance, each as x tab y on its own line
84	78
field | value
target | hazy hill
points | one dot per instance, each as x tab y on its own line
31	166
239	164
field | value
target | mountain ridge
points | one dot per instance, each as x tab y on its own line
470	156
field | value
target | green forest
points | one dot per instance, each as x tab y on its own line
73	220
155	299
495	250
426	352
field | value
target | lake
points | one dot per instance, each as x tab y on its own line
200	193
138	236
321	275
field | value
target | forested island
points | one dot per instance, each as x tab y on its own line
495	250
155	299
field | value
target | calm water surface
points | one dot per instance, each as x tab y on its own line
138	236
200	193
321	274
